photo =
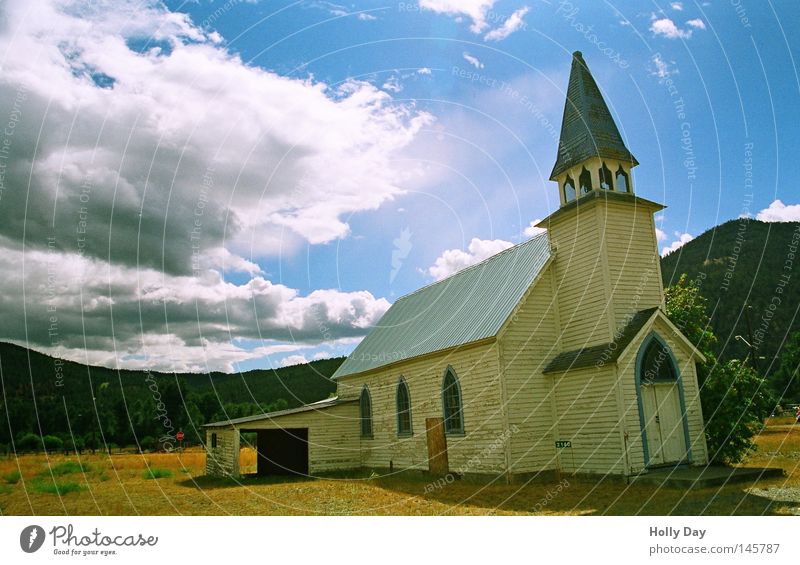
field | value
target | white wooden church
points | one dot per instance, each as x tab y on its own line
554	355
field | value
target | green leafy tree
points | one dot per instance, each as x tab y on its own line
735	398
686	308
735	402
786	381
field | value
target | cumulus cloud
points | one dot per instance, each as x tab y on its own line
147	162
697	23
134	127
128	317
532	230
661	68
453	260
677	6
476	10
780	212
667	28
424	71
513	23
293	360
661	235
683	239
472	60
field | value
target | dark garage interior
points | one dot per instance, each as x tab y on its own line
282	451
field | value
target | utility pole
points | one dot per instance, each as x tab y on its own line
753	356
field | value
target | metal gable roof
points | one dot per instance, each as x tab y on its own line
468	306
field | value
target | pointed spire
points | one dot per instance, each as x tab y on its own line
587	129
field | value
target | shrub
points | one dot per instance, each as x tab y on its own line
28	442
146	444
52	443
55	487
155	473
735	403
65	468
12	477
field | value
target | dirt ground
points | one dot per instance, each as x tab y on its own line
173	483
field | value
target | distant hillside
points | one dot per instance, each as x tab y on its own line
48	396
745	263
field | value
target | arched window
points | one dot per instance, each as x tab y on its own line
569	189
622	181
657	365
365	406
585	181
605	178
403	408
451	403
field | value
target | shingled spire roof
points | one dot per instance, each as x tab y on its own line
587	129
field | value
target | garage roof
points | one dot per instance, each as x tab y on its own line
319	405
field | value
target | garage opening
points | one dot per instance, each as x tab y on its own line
281	451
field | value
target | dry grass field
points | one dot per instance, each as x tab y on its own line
161	483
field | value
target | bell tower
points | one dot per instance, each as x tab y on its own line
591	153
607	265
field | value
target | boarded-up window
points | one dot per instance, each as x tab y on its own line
403	408
366	413
213	440
451	401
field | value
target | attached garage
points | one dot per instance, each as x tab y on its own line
312	439
282	451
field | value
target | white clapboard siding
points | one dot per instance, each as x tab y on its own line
527	344
480	450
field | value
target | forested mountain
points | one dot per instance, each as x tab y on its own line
743	263
50	397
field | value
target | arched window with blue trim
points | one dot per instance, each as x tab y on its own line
403	408
451	404
656	365
365	409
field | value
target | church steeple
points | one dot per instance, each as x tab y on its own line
591	153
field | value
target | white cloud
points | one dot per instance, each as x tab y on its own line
667	28
392	84
677	6
293	360
683	238
661	68
472	60
780	212
286	158
697	23
425	71
513	23
532	230
364	17
476	10
453	260
138	317
661	235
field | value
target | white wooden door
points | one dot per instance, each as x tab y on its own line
651	424
673	440
663	423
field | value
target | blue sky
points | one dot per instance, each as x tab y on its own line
420	139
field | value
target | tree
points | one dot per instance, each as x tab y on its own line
735	402
786	381
686	308
734	397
